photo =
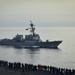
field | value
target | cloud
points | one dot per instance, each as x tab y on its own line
16	12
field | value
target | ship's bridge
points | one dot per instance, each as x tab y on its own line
18	38
31	37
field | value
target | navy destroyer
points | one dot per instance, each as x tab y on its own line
31	40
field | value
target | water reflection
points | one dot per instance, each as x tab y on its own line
33	50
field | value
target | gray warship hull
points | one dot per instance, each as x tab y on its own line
53	44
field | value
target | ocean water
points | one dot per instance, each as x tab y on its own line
64	56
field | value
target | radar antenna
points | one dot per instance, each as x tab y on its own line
32	27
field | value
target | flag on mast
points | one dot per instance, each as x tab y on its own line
27	29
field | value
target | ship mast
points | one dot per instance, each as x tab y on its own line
32	28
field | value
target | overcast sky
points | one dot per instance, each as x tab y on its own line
42	12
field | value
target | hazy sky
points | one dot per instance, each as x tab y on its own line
42	12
